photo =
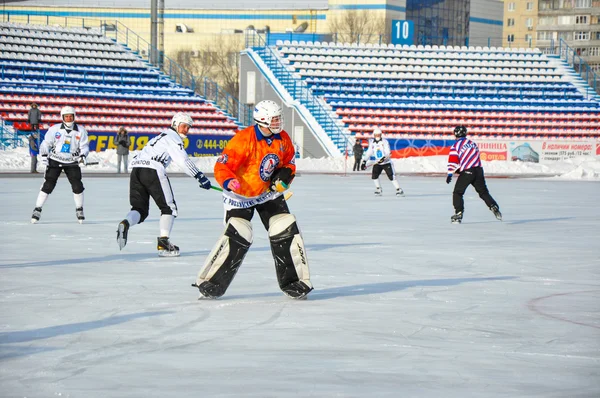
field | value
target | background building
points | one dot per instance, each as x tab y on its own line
544	23
520	23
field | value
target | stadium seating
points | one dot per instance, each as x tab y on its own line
108	85
425	91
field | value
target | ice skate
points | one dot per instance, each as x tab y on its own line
297	290
208	291
79	213
457	217
496	210
122	231
37	213
399	192
378	191
166	248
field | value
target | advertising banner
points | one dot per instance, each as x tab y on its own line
536	151
195	144
545	151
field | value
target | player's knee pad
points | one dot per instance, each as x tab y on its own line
226	257
143	213
49	185
287	245
77	188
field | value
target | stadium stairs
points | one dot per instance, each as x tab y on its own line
425	91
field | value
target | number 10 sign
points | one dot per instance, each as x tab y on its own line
403	32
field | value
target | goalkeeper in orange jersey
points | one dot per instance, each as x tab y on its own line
255	168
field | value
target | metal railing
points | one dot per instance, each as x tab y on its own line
9	136
204	87
300	91
576	61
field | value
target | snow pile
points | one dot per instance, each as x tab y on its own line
581	168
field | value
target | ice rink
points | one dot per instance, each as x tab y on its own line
405	304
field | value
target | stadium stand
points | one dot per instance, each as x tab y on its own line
424	91
108	85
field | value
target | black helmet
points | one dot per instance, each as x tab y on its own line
460	131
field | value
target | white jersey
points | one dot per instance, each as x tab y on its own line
161	150
379	150
65	145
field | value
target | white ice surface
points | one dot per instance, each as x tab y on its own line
405	304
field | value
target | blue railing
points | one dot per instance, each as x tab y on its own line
9	136
300	91
204	87
576	61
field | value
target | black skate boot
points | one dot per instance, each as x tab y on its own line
122	230
37	213
457	217
496	210
399	192
297	290
166	248
79	214
209	290
378	191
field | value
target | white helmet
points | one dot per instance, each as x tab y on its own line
181	117
67	110
377	132
264	112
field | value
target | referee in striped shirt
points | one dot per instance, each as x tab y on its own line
464	160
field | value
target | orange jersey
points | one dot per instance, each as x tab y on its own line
252	158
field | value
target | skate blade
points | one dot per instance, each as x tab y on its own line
303	297
34	221
120	240
165	253
80	221
203	297
456	222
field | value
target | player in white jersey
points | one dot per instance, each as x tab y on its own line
149	179
65	145
379	148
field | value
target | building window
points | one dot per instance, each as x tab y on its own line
596	35
546	35
510	22
583	3
510	38
183	28
511	6
529	5
565	35
581	36
529	22
527	38
581	20
547	21
565	20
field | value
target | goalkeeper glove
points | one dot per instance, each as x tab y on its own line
281	179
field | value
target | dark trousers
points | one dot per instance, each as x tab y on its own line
265	211
145	183
34	163
356	164
475	177
53	171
